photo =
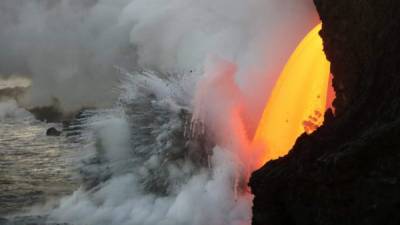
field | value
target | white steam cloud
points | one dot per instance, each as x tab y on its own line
69	48
205	195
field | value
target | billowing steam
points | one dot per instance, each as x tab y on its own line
146	170
70	48
174	147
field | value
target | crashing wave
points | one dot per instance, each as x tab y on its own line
145	166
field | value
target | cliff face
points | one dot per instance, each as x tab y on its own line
348	171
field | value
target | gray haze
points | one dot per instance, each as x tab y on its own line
70	48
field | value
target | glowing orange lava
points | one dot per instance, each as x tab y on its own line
298	100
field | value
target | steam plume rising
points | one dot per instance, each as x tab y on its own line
75	44
69	49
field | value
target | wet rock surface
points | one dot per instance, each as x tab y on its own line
52	131
50	114
348	171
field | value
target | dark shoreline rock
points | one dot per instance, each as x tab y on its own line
12	93
53	132
348	171
50	114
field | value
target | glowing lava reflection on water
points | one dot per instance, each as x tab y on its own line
298	100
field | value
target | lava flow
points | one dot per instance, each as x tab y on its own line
298	100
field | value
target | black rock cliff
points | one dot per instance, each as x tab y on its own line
348	171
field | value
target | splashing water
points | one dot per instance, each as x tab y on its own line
174	149
145	167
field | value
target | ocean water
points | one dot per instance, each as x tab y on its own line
34	168
140	162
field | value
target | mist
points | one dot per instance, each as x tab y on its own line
68	49
71	48
214	60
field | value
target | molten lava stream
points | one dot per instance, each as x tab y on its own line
297	102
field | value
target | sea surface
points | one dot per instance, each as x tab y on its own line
34	168
146	160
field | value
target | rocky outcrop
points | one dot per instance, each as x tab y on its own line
348	171
50	114
52	131
12	93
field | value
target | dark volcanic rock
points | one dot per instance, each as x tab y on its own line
53	132
348	171
50	114
12	93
